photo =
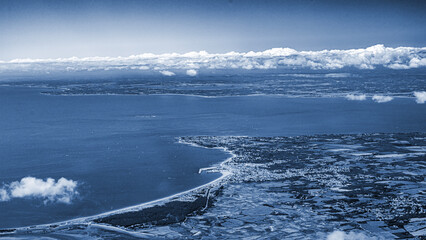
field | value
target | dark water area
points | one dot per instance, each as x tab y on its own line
123	150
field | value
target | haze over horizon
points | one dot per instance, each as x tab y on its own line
61	29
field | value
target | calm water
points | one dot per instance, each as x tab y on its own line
122	149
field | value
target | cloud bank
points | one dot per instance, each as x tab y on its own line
62	191
364	58
420	97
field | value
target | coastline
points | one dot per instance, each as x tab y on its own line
277	95
279	186
190	196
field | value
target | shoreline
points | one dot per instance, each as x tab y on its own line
283	181
395	95
94	220
278	95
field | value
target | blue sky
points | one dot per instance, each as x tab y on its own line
52	29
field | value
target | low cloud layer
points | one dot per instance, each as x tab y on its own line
49	190
364	58
381	99
420	97
354	97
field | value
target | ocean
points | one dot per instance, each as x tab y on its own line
118	139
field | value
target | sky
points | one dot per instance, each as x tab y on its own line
87	28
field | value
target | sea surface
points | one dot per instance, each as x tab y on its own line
118	139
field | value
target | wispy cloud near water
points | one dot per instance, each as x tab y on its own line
354	97
363	97
364	58
381	98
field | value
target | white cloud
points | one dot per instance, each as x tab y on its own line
4	196
337	75
420	97
49	190
354	97
382	99
167	73
340	235
191	72
363	58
